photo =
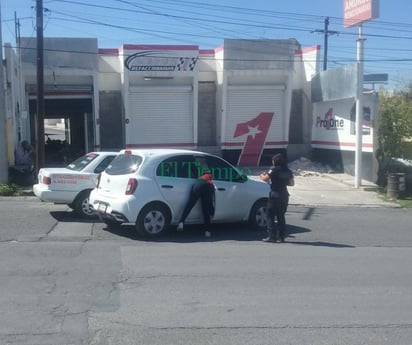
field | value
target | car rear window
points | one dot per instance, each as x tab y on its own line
124	164
80	163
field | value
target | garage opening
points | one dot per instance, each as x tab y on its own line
68	128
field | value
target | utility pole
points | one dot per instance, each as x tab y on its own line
40	88
325	51
326	33
4	164
359	108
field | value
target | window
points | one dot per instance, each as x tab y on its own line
220	169
80	163
124	164
177	166
103	164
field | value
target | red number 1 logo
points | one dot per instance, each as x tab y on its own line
256	130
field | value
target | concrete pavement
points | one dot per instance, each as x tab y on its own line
331	189
335	190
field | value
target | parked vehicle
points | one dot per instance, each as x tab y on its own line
72	184
149	188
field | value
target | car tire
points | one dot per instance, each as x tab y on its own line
153	220
82	207
257	218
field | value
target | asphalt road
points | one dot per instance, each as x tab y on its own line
343	277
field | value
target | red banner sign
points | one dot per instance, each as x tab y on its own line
358	11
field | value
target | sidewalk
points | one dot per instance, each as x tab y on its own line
331	189
335	190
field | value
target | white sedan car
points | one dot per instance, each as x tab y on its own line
72	184
150	187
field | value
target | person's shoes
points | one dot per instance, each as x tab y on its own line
180	226
269	239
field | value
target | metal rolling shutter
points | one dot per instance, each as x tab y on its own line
160	115
244	104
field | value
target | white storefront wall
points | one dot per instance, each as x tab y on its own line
255	112
16	119
246	103
333	125
171	119
159	90
256	86
160	83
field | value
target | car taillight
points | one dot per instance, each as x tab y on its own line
46	180
131	186
98	180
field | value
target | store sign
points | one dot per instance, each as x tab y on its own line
329	121
156	61
254	133
358	11
334	124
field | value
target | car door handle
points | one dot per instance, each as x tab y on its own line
221	189
167	186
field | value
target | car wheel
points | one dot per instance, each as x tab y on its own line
153	220
82	206
257	218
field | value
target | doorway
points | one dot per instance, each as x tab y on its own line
68	128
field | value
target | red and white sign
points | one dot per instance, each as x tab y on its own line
334	124
256	131
359	11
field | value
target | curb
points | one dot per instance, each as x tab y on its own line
369	187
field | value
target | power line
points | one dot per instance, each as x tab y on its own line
207	22
263	26
250	24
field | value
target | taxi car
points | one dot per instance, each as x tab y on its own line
72	184
149	188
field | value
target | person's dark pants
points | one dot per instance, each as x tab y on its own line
276	209
203	192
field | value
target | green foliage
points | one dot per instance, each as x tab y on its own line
9	190
395	122
405	203
394	131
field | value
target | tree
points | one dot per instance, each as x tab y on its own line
394	129
395	121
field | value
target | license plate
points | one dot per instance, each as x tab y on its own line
102	208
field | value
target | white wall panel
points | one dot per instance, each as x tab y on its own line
160	116
245	104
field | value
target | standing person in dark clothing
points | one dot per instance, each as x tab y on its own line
204	189
24	154
280	176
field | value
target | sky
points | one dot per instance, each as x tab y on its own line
387	44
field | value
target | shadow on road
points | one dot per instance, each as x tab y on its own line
220	232
71	216
321	244
195	233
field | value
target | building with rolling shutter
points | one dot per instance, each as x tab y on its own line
244	101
